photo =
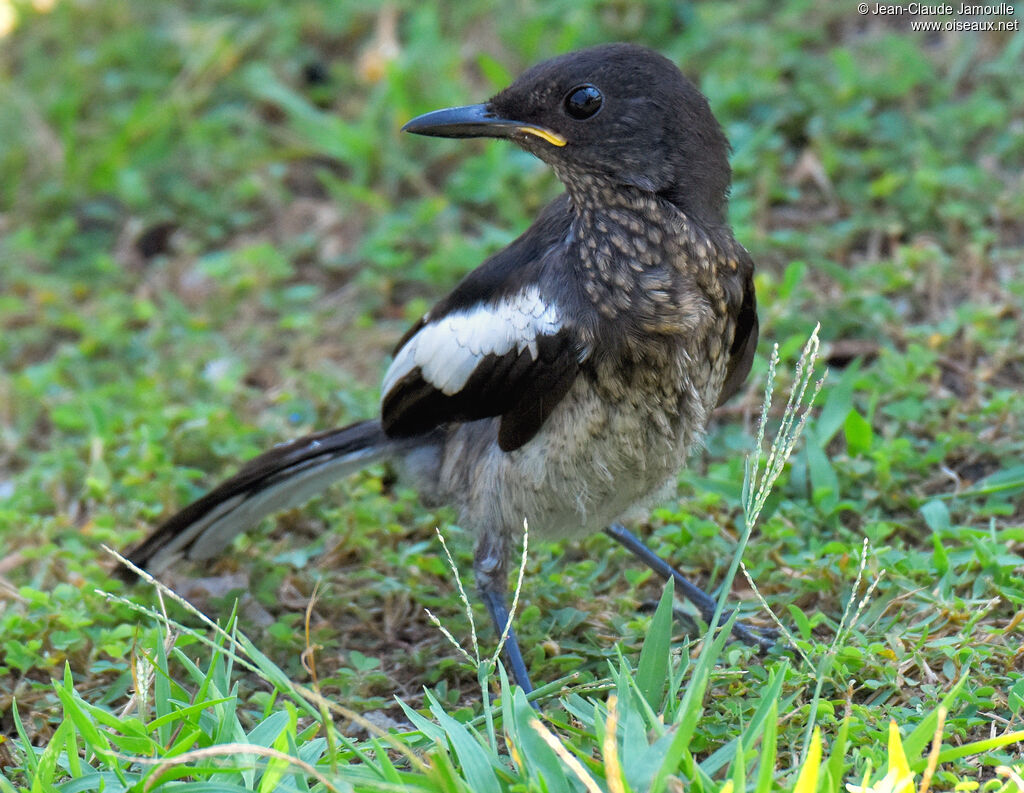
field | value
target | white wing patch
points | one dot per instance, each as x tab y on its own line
450	348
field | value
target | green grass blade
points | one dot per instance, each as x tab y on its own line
28	751
769	748
477	764
980	747
915	743
835	768
769	700
652	670
539	759
161	685
738	770
691	707
44	775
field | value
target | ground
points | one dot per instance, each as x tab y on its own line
212	233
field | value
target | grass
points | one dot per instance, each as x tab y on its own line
211	233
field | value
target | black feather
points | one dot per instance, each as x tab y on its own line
523	390
520	388
744	342
280	462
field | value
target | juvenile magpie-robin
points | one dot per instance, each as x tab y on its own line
564	380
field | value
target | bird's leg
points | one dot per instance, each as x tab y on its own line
490	566
704	602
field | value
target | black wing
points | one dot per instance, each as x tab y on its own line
744	343
498	345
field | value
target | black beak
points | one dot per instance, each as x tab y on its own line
476	121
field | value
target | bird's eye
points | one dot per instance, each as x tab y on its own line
583	102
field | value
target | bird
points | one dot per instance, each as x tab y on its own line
564	380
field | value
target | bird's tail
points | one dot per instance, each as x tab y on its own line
282	478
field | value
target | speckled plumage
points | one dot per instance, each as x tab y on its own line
563	381
663	315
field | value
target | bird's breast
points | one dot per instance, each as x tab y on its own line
615	441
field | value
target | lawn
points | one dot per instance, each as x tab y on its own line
212	233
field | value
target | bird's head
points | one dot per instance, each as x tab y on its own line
618	112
